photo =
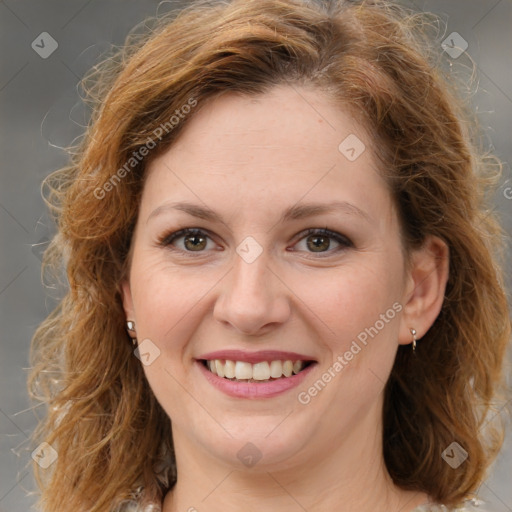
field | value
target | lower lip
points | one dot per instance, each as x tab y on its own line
254	389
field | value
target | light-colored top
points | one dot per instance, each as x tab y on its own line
473	505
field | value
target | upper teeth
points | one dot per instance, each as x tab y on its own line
259	371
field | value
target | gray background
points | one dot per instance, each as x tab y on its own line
40	113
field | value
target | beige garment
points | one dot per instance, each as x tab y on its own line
473	505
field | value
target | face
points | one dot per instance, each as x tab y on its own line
263	280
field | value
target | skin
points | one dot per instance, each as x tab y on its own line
249	158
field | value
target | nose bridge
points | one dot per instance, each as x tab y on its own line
251	297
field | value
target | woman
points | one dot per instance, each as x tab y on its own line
280	205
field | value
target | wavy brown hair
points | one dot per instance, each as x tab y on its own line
377	61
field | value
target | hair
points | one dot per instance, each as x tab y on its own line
378	62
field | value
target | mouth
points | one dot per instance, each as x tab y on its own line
260	372
254	375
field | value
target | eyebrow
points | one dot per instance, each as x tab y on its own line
296	212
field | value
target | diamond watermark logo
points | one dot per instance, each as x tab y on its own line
45	455
454	45
147	352
249	455
352	147
44	45
249	250
454	455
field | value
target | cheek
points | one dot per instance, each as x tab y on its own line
165	295
347	300
357	311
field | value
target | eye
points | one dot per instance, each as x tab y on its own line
317	240
195	239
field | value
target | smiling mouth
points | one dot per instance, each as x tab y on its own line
264	371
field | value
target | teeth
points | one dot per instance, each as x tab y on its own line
229	369
241	370
276	369
219	368
297	366
261	371
287	368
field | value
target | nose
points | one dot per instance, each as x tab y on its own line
253	298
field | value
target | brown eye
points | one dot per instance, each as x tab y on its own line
194	240
320	241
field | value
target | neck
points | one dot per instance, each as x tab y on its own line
347	477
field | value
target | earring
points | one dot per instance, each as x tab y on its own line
130	325
413	332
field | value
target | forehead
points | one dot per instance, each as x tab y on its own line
285	119
260	152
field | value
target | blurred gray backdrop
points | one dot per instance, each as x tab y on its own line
45	48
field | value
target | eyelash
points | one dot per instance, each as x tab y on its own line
167	239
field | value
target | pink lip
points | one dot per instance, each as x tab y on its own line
253	390
255	357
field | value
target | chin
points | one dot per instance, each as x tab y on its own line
262	443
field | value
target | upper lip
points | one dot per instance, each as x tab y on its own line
255	357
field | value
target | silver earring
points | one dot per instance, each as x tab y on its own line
413	332
130	325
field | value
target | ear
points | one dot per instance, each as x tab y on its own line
126	295
425	288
